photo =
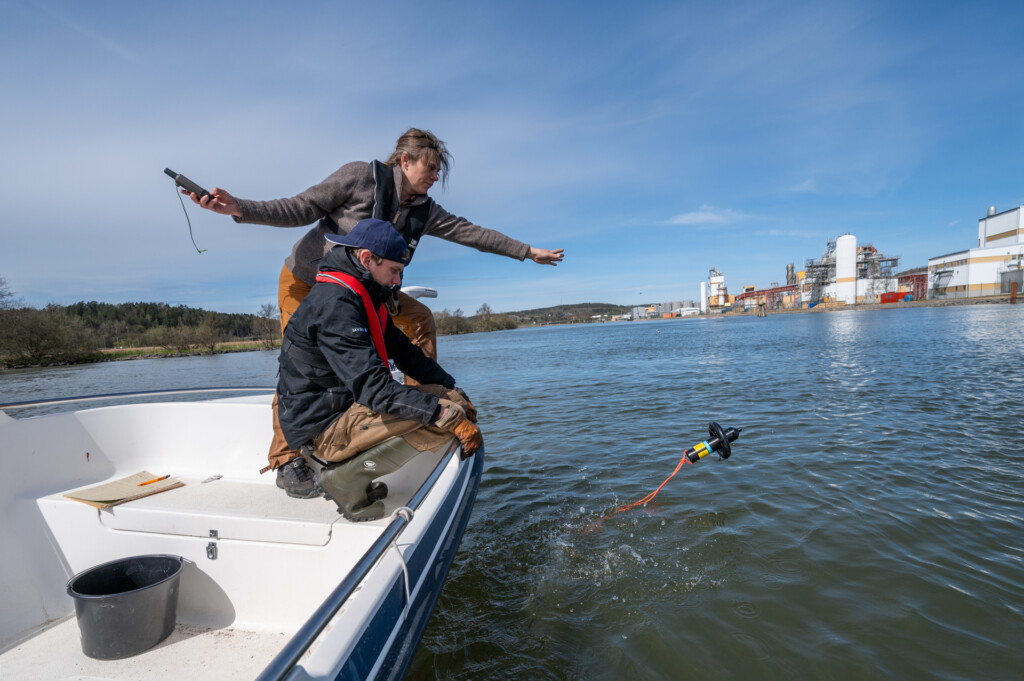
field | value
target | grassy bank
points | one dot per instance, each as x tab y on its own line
153	352
112	354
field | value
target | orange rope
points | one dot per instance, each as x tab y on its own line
595	526
650	497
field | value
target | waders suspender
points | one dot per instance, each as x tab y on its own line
377	318
384	197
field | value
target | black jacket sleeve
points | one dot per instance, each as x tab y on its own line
411	360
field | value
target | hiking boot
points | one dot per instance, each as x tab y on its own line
298	480
351	483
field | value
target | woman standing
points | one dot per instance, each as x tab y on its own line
396	191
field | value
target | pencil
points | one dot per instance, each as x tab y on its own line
150	482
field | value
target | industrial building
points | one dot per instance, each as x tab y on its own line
848	274
774	297
852	274
987	270
718	300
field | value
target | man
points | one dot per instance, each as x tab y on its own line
336	397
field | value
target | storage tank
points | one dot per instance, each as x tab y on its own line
846	269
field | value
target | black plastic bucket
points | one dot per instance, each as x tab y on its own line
126	606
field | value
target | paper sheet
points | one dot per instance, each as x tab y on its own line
126	489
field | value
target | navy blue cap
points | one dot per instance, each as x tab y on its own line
377	236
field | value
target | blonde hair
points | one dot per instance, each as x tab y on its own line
419	144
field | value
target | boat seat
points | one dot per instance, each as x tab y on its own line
244	510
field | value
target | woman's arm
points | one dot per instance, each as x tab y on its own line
302	209
450	227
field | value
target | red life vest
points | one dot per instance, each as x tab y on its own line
378	319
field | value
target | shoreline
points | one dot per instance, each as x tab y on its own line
822	308
128	354
982	300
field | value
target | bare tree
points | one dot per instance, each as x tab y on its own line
7	299
210	332
267	325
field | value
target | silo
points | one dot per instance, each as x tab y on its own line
703	297
846	269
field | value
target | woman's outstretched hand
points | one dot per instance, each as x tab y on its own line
543	256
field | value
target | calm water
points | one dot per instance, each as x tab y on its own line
870	524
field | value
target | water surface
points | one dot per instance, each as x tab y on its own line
869	525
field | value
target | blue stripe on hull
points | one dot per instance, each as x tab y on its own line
371	645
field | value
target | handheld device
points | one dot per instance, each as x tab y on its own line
186	184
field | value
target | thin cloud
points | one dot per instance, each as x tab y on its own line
805	187
92	35
708	215
789	233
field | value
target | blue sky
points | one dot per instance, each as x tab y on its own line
650	140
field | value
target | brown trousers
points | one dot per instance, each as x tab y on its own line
416	321
360	428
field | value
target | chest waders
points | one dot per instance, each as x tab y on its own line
351	483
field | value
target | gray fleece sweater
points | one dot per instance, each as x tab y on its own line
345	198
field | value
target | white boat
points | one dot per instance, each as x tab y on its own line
272	587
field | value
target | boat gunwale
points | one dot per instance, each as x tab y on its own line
290	654
143	393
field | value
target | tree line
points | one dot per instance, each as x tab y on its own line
81	331
451	323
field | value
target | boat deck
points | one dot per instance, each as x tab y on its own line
193	653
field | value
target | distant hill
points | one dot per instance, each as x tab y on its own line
568	314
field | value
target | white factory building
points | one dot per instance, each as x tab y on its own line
848	274
989	269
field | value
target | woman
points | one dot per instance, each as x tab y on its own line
396	191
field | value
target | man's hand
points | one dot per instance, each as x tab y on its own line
453	419
470	409
543	256
470	437
219	201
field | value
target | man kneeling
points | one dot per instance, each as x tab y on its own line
336	397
